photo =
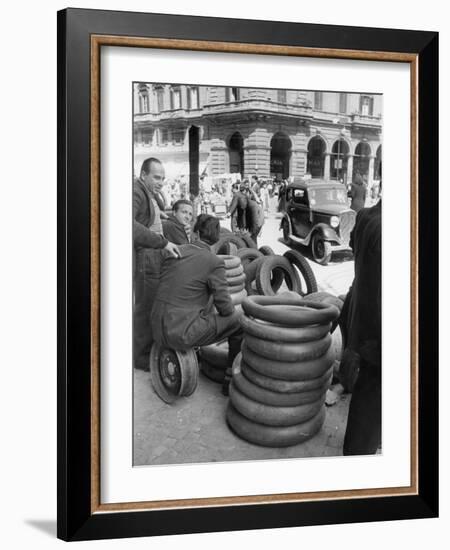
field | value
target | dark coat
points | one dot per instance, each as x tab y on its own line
254	217
183	315
174	231
358	196
144	215
364	302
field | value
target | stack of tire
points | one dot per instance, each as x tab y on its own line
279	381
214	361
235	277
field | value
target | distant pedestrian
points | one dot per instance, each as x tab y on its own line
357	193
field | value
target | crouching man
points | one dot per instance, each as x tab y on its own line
183	315
177	228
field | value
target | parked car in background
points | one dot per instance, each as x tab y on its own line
317	215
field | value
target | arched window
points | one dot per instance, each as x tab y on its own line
316	157
338	161
377	165
361	161
280	155
236	153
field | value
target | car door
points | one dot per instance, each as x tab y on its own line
299	213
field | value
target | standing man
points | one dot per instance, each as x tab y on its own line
148	243
357	193
238	208
363	324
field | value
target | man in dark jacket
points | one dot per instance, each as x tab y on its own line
357	193
254	216
177	228
363	306
183	315
238	208
148	242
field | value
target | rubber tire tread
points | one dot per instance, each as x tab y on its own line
282	310
296	259
269	415
268	436
285	386
301	370
278	333
289	352
215	354
276	399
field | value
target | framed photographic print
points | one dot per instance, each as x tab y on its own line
247	330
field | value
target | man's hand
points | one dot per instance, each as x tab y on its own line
173	250
228	214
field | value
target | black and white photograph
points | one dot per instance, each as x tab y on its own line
257	295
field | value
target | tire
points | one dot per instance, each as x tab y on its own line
248	255
276	399
267	284
238	297
189	372
290	353
237	288
276	333
237	280
325	298
229	261
231	272
320	249
266	250
215	374
286	311
215	354
270	415
286	232
218	247
173	373
288	370
285	386
297	260
248	241
268	436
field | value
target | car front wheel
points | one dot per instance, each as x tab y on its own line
321	250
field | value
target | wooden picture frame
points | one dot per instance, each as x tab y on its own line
81	35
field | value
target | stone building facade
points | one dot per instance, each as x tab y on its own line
203	130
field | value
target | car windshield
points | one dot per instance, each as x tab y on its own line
327	196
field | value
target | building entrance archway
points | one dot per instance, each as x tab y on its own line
280	155
316	157
194	159
236	153
339	160
361	161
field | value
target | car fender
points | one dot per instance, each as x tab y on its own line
286	217
325	231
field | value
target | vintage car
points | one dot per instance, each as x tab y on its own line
317	214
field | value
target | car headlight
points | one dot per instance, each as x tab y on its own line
334	221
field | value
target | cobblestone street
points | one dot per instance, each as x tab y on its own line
194	430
